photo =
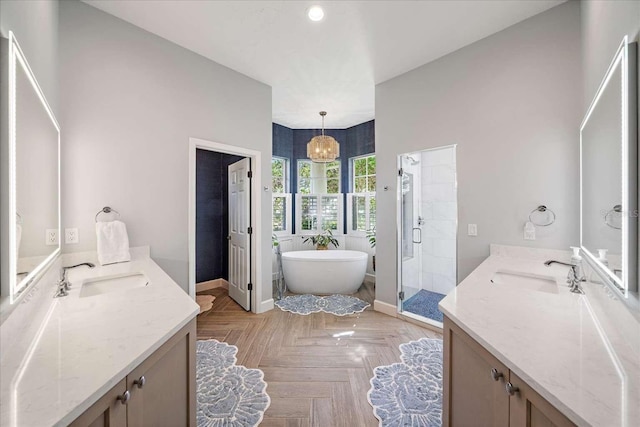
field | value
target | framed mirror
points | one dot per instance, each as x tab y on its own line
608	175
31	165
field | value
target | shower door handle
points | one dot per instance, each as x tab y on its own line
419	235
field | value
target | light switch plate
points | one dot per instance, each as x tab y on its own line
472	229
71	236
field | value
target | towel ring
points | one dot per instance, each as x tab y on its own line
542	208
608	216
107	210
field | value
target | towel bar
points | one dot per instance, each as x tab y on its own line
107	210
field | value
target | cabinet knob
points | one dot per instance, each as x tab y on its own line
140	382
511	389
496	375
124	397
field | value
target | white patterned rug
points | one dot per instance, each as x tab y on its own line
228	395
410	393
340	305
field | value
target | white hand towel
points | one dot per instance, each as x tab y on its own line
113	242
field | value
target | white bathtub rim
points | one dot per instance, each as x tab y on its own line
338	255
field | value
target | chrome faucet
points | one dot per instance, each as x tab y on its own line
63	284
573	278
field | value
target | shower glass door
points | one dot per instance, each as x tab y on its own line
427	230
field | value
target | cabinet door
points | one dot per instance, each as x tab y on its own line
163	389
529	409
109	411
474	383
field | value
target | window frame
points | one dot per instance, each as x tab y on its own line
368	195
285	171
352	163
286	195
287	212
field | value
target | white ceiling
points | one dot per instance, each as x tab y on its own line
330	65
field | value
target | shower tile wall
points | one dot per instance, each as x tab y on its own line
412	267
439	210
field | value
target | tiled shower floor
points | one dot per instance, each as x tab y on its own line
425	304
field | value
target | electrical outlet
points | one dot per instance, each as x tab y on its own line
51	237
472	229
71	236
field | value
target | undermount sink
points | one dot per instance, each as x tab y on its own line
116	283
524	280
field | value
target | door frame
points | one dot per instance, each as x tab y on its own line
399	310
256	222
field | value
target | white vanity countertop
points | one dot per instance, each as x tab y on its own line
561	343
86	345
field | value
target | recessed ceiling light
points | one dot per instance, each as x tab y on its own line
315	13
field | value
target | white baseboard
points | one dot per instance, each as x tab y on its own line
370	278
383	307
265	306
212	284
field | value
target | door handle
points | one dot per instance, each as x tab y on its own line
419	235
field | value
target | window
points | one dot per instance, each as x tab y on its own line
279	175
361	204
280	199
319	202
361	212
318	178
318	212
281	205
364	174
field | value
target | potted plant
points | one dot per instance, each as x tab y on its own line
323	240
371	236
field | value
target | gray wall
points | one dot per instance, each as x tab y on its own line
35	25
604	24
132	100
512	104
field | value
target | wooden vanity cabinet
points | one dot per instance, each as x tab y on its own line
107	411
475	389
528	408
161	390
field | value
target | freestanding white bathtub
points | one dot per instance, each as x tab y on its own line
324	272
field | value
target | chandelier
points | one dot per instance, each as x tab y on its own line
323	148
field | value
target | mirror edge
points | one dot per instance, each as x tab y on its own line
626	56
12	58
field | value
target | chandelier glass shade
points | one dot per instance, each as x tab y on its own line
323	148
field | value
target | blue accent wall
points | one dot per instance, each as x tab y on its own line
292	144
361	140
282	141
212	214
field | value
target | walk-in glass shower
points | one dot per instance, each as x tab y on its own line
427	229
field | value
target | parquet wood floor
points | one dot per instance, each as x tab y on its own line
317	367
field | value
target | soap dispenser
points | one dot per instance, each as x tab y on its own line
576	260
602	257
